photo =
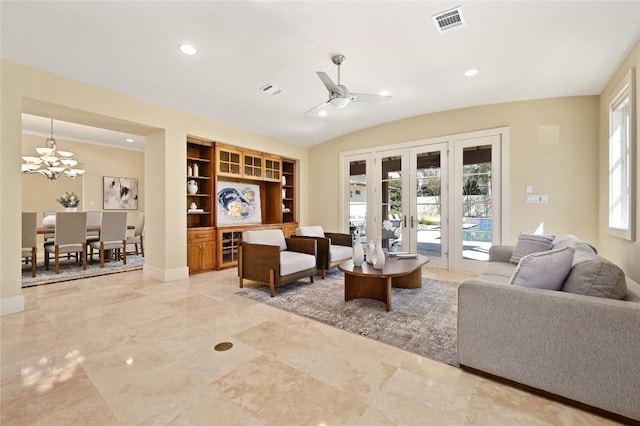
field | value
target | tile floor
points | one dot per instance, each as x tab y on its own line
125	349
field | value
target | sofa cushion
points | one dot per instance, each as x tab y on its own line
584	251
596	277
531	243
546	270
272	237
293	261
310	231
498	272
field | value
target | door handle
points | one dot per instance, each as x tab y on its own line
404	221
412	222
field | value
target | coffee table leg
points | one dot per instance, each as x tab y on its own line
388	294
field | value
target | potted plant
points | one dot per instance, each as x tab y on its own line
70	201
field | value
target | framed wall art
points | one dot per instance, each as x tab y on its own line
238	203
120	193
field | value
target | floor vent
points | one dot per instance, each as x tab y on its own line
449	19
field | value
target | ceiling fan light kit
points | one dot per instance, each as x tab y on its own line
339	95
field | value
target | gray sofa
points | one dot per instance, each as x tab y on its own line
581	348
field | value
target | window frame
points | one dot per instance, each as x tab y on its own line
622	168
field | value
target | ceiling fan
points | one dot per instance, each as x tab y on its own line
339	95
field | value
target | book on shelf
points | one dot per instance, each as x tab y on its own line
195	210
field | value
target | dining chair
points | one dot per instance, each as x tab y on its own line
137	237
113	236
49	221
70	237
94	218
30	239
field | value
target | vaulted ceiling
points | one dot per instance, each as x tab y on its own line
521	49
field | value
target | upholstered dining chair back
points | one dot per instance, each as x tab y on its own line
29	230
71	228
114	227
94	218
113	236
30	239
138	238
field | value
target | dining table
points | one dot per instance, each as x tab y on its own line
43	230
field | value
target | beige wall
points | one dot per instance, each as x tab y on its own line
622	252
39	194
567	172
28	90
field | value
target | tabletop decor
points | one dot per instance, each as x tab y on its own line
70	201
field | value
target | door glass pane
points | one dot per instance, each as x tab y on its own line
428	203
476	202
358	198
392	203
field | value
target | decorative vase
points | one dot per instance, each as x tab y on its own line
70	209
371	252
195	170
378	262
192	187
189	171
358	252
193	206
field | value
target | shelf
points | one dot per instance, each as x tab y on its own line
201	160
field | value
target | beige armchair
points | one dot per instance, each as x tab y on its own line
333	248
138	235
30	239
268	257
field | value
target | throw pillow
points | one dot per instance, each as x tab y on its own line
597	277
531	243
546	270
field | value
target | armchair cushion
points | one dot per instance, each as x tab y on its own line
293	261
271	237
310	231
339	253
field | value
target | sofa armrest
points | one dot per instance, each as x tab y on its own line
500	253
579	347
302	245
338	239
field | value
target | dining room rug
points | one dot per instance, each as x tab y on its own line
422	320
71	270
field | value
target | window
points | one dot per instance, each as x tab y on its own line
621	159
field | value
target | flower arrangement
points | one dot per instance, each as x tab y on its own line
69	200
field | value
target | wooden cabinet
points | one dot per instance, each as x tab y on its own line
217	247
201	250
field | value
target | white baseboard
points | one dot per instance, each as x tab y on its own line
165	275
11	305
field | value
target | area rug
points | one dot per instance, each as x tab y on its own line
71	270
422	321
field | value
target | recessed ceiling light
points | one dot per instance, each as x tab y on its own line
188	49
129	140
384	93
471	72
323	113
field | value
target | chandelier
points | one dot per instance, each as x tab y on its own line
50	162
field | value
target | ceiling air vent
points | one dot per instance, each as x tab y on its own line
449	19
271	89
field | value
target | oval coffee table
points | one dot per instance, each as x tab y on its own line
369	283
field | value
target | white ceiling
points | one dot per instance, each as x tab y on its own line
523	50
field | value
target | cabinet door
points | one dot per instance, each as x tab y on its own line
194	258
252	166
272	169
209	255
229	162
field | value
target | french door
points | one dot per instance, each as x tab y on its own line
440	199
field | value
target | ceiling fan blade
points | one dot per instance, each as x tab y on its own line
366	97
317	107
329	84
